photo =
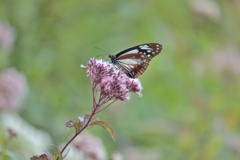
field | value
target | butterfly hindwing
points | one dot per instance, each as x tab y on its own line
135	65
134	61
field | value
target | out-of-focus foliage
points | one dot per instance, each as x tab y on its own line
191	98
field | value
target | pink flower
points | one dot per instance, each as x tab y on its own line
206	9
13	89
110	84
7	37
223	61
90	146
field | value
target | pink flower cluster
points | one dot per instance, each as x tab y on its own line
7	37
112	84
13	89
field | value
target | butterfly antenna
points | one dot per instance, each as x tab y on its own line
102	50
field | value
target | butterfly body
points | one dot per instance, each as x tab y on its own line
134	61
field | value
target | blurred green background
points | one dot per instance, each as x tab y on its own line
191	98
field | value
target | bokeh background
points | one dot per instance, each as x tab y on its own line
190	107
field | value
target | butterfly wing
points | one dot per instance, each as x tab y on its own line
133	65
151	49
134	61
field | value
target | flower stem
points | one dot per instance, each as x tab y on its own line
97	111
77	133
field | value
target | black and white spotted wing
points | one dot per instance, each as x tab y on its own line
134	61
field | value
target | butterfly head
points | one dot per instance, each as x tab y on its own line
113	58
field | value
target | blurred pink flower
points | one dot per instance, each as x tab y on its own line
90	146
13	89
109	84
206	9
226	60
223	61
233	143
7	37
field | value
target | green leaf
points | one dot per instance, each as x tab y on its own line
106	126
53	155
59	154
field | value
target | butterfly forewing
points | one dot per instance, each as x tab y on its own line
134	61
151	48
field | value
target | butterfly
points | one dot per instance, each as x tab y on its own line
135	60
